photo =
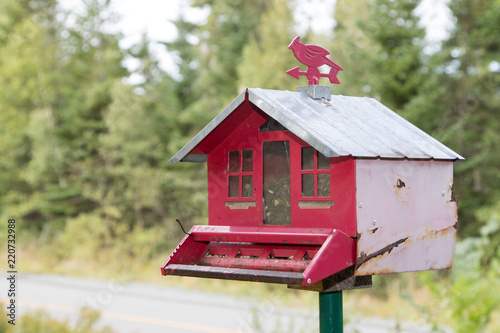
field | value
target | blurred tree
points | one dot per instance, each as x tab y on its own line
348	40
471	121
59	84
459	105
186	59
189	120
134	151
147	72
382	49
27	39
229	27
265	57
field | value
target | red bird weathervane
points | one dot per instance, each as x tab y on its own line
312	56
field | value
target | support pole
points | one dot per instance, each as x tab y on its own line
330	312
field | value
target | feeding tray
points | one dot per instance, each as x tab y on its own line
273	254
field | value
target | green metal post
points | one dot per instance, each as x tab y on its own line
330	312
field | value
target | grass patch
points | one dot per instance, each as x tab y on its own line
41	322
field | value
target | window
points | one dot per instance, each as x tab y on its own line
240	168
271	125
315	174
276	183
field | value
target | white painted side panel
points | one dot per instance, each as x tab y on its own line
406	216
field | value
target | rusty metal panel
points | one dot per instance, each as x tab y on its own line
406	216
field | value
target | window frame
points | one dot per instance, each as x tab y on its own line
315	171
240	174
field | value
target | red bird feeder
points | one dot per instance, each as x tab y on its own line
317	191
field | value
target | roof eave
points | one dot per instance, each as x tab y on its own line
183	154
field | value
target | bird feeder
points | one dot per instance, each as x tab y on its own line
317	191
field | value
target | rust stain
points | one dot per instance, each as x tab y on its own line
430	236
363	259
436	234
402	190
451	188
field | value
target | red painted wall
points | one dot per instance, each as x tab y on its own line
246	136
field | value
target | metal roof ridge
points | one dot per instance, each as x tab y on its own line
340	131
263	91
302	127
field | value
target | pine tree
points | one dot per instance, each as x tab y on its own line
469	120
60	83
27	38
186	60
266	57
229	28
382	53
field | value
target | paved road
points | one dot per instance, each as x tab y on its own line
147	308
140	307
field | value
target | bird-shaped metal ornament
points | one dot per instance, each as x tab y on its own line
313	56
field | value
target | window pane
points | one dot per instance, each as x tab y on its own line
234	161
234	187
247	163
271	125
323	162
307	158
246	186
308	185
276	187
323	184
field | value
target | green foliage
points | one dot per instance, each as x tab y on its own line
56	87
186	61
265	54
382	46
467	300
41	322
229	27
105	236
84	161
469	119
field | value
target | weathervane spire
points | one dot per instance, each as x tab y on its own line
313	56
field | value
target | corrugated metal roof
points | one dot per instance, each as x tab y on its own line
357	126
